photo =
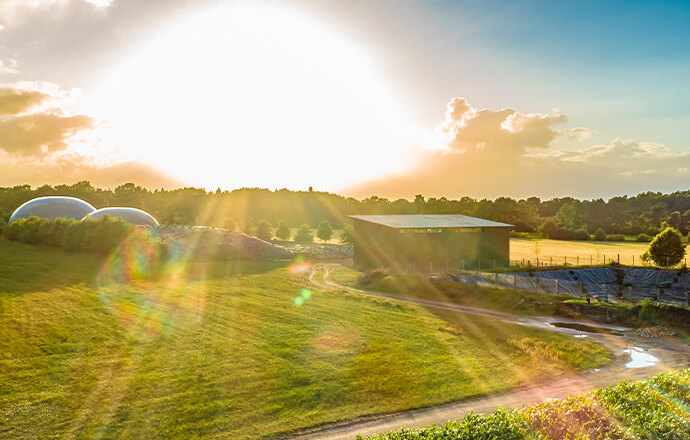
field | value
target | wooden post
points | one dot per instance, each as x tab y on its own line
463	264
495	278
565	260
619	258
633	259
577	261
494	263
590	260
550	261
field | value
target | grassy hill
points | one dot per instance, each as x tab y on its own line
654	409
117	347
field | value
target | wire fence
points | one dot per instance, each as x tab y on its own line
584	260
606	284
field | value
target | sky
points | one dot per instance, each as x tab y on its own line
387	98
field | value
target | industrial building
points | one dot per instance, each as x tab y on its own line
423	242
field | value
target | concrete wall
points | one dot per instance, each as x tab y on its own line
380	246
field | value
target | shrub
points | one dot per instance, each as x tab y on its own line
263	231
371	276
324	231
581	234
303	235
667	248
283	232
643	238
616	237
347	236
600	234
98	235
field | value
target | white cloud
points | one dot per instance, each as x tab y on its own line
16	12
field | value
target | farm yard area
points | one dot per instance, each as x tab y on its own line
584	253
104	346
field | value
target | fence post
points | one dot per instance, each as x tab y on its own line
577	260
633	259
495	278
604	258
631	297
550	261
565	261
590	260
494	263
463	264
619	258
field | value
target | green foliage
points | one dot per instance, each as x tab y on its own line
347	236
228	223
97	235
581	234
303	235
643	238
202	350
655	408
643	213
324	231
616	237
283	232
501	424
600	235
263	231
667	248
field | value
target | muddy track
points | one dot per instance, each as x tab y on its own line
671	352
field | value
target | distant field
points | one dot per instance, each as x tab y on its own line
228	350
558	251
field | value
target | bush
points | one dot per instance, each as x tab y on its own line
347	236
303	235
283	232
98	235
263	231
550	229
600	235
643	238
667	248
581	234
616	237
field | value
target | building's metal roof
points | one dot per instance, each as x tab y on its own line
430	221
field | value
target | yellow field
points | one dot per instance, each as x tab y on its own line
575	252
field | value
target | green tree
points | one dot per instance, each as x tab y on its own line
283	232
324	231
263	231
303	235
667	248
347	236
600	235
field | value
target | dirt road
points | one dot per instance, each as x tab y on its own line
669	352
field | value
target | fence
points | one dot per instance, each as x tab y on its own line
631	284
582	260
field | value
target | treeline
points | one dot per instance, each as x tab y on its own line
646	213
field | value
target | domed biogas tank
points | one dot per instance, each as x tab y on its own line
52	207
132	215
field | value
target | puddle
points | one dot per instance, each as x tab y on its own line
586	328
640	358
580	336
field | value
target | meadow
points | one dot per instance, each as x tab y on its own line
104	346
654	409
574	252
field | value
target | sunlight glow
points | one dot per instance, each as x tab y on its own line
249	95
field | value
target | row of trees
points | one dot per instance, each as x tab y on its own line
646	213
324	232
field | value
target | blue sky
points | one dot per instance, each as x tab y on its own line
606	79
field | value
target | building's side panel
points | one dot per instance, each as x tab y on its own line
381	246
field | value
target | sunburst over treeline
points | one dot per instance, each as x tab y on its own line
244	208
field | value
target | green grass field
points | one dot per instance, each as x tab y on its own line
99	347
584	252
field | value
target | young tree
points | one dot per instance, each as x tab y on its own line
347	236
283	232
263	231
667	248
600	234
324	231
303	235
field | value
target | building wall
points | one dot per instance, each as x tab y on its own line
380	246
